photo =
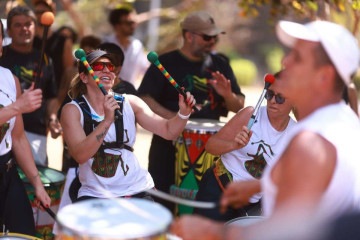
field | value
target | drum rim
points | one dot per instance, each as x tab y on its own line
72	231
203	130
244	217
19	235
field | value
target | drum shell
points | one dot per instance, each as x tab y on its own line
191	159
120	219
53	181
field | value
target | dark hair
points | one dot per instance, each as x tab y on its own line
2	30
321	59
115	50
90	40
117	13
19	11
74	35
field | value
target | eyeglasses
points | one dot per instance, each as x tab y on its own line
207	38
278	98
99	66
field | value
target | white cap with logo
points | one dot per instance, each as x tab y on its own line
340	45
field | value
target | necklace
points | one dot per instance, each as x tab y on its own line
7	95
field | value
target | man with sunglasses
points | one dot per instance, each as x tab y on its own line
316	175
245	153
124	22
207	76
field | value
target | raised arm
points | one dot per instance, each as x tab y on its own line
234	135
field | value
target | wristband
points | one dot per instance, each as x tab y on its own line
184	117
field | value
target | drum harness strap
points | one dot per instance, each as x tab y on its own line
89	124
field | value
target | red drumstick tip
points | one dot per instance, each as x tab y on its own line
47	18
269	78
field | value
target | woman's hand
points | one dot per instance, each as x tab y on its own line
186	105
110	104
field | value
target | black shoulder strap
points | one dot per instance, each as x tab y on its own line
119	121
88	126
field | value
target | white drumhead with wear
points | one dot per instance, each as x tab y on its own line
114	219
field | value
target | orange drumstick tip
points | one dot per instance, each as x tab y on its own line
47	18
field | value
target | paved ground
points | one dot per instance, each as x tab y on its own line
143	138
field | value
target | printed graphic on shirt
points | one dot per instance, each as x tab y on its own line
197	84
256	165
106	164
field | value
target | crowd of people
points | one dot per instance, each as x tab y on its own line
285	168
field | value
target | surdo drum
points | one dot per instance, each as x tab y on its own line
245	221
191	159
124	219
53	181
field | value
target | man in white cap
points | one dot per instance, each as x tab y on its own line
207	76
316	177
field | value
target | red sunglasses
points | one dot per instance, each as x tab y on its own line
99	66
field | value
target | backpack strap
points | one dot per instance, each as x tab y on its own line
89	123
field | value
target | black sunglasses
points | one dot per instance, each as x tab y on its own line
207	38
99	66
278	98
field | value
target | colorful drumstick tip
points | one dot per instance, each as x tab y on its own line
47	18
269	78
153	57
80	54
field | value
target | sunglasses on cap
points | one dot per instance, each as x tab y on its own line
207	38
99	66
278	98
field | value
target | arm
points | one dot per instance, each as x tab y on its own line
157	108
234	102
168	129
234	135
82	147
24	159
27	102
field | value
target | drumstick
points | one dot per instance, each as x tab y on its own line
269	79
190	203
81	55
153	58
49	211
47	18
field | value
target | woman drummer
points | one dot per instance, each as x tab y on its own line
108	167
245	153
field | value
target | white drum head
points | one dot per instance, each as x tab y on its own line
114	218
204	125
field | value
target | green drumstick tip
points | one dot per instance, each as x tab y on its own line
152	57
80	53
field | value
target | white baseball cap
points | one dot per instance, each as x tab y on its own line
340	45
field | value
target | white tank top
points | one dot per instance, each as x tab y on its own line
130	178
339	125
262	149
7	96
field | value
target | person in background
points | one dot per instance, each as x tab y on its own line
207	76
123	21
245	153
112	139
58	46
120	86
16	213
315	177
22	59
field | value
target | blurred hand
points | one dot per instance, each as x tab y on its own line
243	137
30	100
195	227
237	194
221	85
